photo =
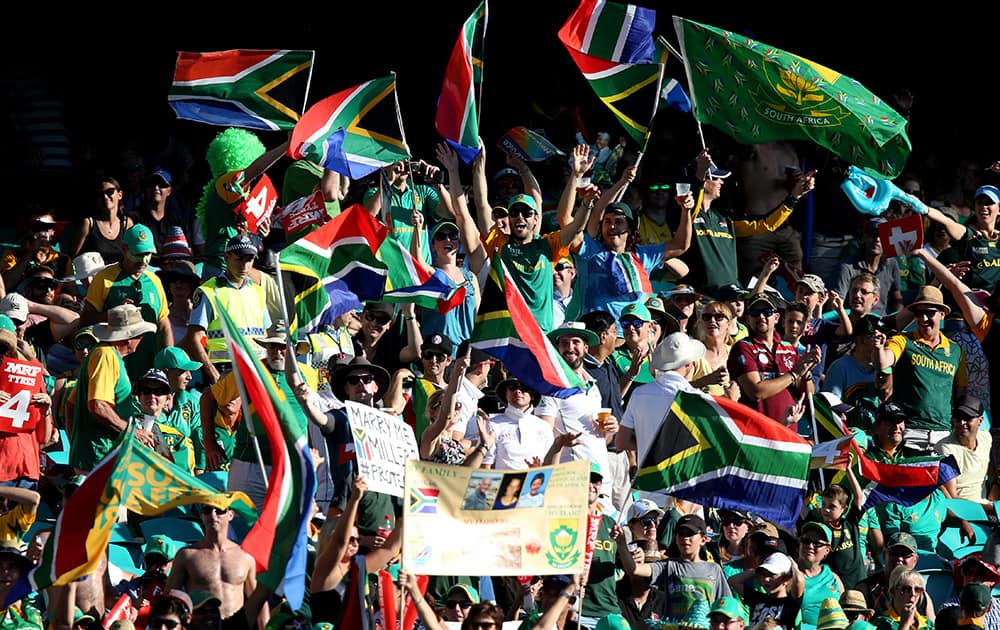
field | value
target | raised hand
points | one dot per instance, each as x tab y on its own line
581	160
446	156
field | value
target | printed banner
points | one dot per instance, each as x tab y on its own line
20	379
382	445
900	237
259	204
528	145
470	521
301	214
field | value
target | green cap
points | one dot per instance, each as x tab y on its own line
612	622
444	224
139	240
731	608
524	198
620	207
822	528
80	617
637	310
160	545
975	598
904	539
201	598
831	616
467	590
173	357
595	469
6	323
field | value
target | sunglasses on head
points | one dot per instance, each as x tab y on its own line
521	211
446	235
766	312
379	318
354	379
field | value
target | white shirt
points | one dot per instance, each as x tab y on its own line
973	464
469	395
519	436
649	406
577	414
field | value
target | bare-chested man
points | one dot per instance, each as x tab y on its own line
217	565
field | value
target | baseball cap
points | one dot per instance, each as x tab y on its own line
691	522
822	528
172	357
180	596
988	191
975	597
160	545
595	469
642	508
524	199
161	174
718	173
902	539
444	224
731	293
835	403
758	298
554	582
506	172
891	412
968	407
620	207
6	323
466	590
814	282
438	342
139	240
153	374
637	310
242	245
777	563
730	608
871	225
15	306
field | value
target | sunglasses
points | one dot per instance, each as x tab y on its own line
766	312
39	226
907	588
734	521
158	622
84	345
648	522
209	509
719	317
925	312
562	267
461	603
446	236
109	192
44	284
659	187
155	391
354	379
354	539
482	625
631	323
811	542
434	356
518	387
437	405
379	318
519	211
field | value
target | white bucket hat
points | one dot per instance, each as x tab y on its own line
675	350
124	322
86	265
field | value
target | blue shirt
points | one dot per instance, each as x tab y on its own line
600	290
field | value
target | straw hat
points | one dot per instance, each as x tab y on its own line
124	322
929	296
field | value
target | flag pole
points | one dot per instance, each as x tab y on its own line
687	72
482	66
288	319
245	404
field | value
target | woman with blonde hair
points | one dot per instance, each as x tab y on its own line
906	587
710	372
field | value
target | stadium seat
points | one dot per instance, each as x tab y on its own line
180	529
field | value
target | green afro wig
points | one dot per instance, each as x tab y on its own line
231	150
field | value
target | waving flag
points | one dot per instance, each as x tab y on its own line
528	145
278	540
457	116
134	476
256	89
506	329
612	45
333	268
757	93
353	132
722	454
408	281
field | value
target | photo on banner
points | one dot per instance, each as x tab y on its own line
466	521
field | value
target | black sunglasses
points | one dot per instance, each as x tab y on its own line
158	622
156	391
109	192
446	236
562	267
208	509
461	603
434	356
354	379
707	317
379	318
766	312
521	211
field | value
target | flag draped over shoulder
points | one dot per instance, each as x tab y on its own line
506	329
333	268
278	540
408	281
256	89
757	93
612	45
457	117
722	454
131	475
353	132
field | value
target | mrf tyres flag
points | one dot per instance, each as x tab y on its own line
722	454
612	45
354	132
506	329
134	476
256	89
758	93
457	117
278	540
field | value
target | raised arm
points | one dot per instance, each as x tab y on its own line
955	229
609	196
264	162
480	191
972	311
432	434
579	163
475	252
528	181
748	227
328	572
681	240
571	233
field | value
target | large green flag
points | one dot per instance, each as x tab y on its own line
757	93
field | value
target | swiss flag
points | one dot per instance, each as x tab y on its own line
900	237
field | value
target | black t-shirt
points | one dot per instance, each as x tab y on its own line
762	605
